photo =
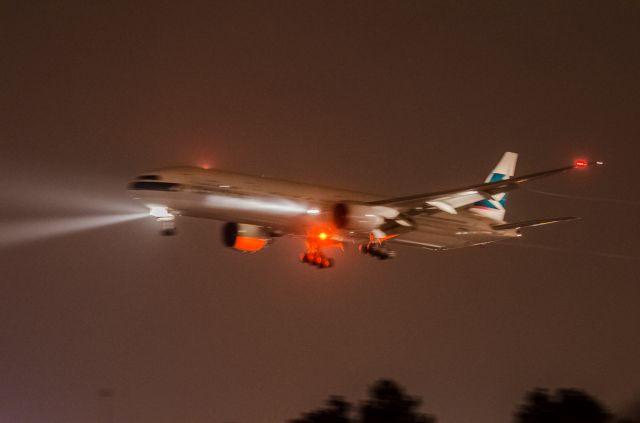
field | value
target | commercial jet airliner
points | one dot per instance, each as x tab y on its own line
258	210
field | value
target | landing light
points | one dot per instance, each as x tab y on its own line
159	212
322	235
313	211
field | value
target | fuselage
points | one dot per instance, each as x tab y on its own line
287	207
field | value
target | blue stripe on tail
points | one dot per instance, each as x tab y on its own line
486	203
495	177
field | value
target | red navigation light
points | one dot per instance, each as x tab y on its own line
579	164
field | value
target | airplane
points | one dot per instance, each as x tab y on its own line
258	210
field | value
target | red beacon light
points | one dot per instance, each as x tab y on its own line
580	164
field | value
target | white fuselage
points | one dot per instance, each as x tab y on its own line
290	207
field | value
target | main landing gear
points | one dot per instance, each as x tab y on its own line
314	244
374	247
376	250
316	259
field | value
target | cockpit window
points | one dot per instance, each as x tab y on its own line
154	186
150	177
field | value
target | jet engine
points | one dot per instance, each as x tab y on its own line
361	217
245	238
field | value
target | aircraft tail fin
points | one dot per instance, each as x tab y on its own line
494	207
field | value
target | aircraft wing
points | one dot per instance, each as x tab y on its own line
450	200
532	223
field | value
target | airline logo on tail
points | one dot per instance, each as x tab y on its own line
494	207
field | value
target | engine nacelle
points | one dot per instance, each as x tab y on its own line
245	238
361	217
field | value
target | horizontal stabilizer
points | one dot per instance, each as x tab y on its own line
531	223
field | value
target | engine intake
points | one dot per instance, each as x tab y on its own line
361	217
245	238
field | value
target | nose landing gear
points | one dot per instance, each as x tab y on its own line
168	227
166	218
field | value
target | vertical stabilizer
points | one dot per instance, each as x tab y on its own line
494	207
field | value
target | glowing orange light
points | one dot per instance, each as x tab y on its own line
322	235
580	163
205	166
248	244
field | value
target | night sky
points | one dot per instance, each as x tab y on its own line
388	97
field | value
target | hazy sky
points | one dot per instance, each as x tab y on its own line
388	97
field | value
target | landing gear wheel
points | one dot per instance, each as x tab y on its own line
316	259
327	262
168	232
377	251
167	227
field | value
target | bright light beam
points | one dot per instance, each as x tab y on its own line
23	231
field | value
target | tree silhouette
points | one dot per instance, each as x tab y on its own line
387	403
566	406
631	412
337	411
